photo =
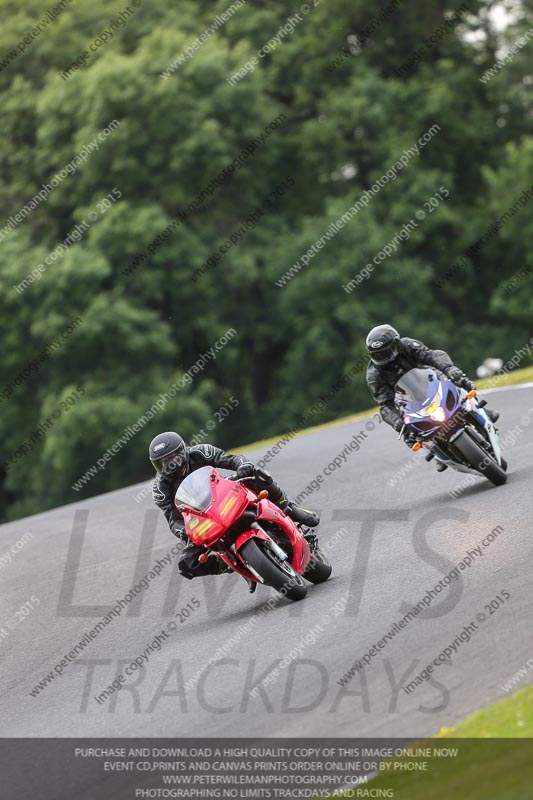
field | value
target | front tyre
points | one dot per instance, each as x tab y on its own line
276	573
480	459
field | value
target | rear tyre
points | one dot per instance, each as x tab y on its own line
278	574
480	459
319	569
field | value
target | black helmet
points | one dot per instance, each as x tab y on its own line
169	455
383	344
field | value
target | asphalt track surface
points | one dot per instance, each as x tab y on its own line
394	542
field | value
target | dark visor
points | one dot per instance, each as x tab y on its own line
169	464
385	354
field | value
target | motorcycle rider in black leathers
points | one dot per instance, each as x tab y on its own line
391	356
173	460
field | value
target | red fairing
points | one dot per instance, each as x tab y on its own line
229	500
269	512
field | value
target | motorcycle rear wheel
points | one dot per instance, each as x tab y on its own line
278	574
319	569
479	459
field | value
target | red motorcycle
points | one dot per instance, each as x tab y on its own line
248	532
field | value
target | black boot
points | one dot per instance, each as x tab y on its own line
494	416
300	515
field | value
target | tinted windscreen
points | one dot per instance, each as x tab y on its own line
417	386
195	491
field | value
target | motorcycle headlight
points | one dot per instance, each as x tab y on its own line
433	407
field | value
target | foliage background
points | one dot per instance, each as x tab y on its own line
344	127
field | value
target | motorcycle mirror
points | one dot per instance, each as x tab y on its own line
263	494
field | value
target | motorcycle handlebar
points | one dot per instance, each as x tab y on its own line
259	473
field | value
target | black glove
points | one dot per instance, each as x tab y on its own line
454	374
458	377
246	470
467	384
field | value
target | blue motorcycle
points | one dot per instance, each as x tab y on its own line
451	423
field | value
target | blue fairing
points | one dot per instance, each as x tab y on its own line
427	401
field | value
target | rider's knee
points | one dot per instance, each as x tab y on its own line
184	569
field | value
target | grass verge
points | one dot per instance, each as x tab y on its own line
494	762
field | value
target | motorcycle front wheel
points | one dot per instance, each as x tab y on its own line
480	459
276	573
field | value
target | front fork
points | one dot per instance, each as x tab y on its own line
484	426
474	410
255	532
479	431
